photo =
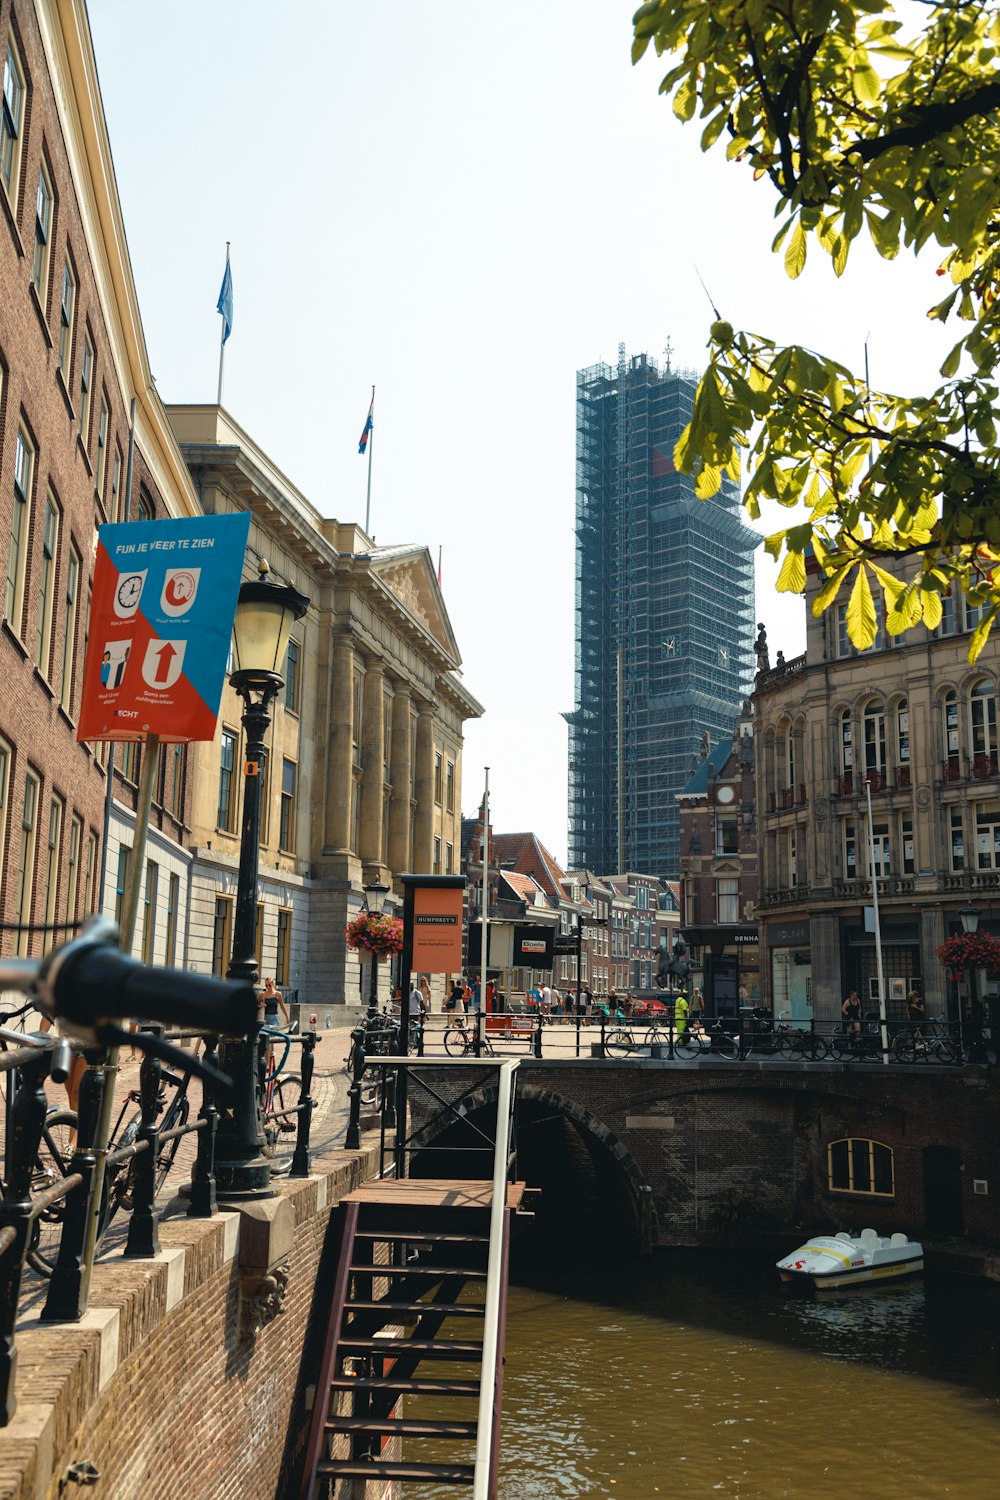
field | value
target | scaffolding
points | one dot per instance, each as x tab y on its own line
663	617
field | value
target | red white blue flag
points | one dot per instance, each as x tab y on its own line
367	429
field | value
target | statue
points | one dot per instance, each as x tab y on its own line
760	648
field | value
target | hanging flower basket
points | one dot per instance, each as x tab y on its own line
969	950
381	935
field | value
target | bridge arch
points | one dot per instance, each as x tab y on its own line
572	1155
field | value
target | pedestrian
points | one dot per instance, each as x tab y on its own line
585	1003
425	990
916	1014
628	1004
851	1012
476	996
545	999
418	1006
680	1015
456	999
696	1005
273	1002
555	1003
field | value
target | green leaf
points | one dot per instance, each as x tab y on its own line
932	607
981	632
861	621
792	577
795	255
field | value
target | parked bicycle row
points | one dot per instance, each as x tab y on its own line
723	1037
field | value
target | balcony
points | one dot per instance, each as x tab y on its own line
902	776
786	896
972	880
843	786
888	885
951	769
984	766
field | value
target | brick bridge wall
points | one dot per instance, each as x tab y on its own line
725	1145
163	1386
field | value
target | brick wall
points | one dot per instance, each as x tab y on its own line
157	1387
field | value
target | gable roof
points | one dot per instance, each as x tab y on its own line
528	856
717	758
408	573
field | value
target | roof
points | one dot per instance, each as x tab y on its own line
524	853
523	886
716	759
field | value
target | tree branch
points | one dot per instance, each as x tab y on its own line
931	120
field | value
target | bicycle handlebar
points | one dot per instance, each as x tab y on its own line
91	980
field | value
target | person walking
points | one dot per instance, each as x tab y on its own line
916	1014
851	1012
696	1005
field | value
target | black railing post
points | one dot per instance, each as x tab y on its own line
143	1237
604	1023
352	1140
203	1203
578	1026
301	1156
477	1041
536	1040
67	1295
27	1121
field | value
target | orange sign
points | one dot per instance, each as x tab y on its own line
437	929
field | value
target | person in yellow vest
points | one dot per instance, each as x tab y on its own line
680	1015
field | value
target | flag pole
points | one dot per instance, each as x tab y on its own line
222	340
371	445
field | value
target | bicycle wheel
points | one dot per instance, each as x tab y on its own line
456	1041
176	1115
687	1046
945	1050
656	1038
909	1051
287	1092
51	1164
619	1043
726	1045
814	1047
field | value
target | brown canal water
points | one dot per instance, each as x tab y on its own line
695	1375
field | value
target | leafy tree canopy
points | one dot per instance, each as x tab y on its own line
857	127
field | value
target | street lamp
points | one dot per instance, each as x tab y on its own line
375	894
970	926
265	613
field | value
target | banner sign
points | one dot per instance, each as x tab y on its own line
533	946
161	622
437	928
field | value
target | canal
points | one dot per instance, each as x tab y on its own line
695	1373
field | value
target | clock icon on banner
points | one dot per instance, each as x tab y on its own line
128	594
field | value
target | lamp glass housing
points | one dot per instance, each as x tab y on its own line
375	894
265	613
970	920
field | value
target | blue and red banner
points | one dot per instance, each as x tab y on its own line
161	622
366	433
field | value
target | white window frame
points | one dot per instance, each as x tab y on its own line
67	313
42	253
20	523
11	122
86	386
26	858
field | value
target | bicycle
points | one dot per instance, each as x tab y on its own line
925	1040
281	1091
460	1041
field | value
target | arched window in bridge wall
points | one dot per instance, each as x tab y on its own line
857	1165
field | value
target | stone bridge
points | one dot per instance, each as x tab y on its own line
677	1154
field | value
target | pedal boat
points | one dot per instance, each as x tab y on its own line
845	1259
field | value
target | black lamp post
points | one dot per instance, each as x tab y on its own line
970	926
375	894
265	613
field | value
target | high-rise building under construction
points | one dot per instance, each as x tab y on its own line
664	617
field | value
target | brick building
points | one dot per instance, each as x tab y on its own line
719	880
83	440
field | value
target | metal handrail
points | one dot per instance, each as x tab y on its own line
491	1328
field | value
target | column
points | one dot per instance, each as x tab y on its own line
372	768
423	791
401	773
340	745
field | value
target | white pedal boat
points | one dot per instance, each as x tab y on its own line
843	1259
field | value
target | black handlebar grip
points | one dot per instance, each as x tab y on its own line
98	981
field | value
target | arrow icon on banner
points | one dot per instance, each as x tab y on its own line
162	663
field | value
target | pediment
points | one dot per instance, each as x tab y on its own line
409	575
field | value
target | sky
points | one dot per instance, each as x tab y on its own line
462	205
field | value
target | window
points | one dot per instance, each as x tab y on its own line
874	734
102	450
173	902
17	547
225	817
52	867
356	725
846	744
983	716
850	852
438	776
792	857
949	708
73	868
973	614
47	587
86	381
902	733
26	859
282	963
222	935
69	629
286	822
880	842
860	1166
177	785
449	859
988	836
957	840
5	763
790	758
436	868
149	912
91	875
728	899
258	943
116	484
292	677
67	305
727	833
908	858
121	880
43	231
450	787
129	768
11	121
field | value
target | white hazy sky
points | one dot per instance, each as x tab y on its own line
462	204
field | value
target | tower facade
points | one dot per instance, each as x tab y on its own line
664	617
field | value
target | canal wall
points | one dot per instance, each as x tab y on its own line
188	1374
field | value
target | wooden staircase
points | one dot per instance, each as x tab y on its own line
406	1329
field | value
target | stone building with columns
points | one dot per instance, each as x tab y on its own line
364	772
915	721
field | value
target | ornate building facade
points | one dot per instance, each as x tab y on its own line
915	724
364	773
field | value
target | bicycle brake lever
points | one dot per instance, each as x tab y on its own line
111	1035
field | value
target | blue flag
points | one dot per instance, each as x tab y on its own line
368	427
225	302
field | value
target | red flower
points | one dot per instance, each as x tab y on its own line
381	935
969	950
